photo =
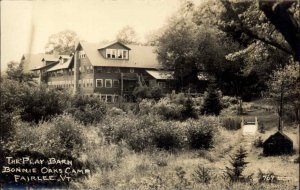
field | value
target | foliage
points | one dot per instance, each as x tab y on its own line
39	103
127	35
15	71
212	101
168	109
9	104
61	135
202	174
175	107
284	88
231	123
258	143
87	109
168	135
238	164
144	92
228	101
200	133
62	43
183	181
32	103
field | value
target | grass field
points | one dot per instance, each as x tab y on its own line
154	169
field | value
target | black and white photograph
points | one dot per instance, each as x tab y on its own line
150	94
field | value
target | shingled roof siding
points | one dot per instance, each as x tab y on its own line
139	56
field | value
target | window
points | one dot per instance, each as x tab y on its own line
99	83
120	54
131	70
125	54
81	54
103	98
117	53
116	83
108	83
108	53
113	53
108	98
162	84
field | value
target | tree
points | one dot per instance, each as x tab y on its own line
62	43
284	89
212	103
15	71
127	35
238	164
260	40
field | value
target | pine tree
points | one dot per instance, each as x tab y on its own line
212	104
238	164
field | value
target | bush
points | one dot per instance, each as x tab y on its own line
231	123
42	103
144	132
258	143
176	107
228	101
61	135
168	135
87	109
168	109
200	133
238	165
212	103
202	174
144	92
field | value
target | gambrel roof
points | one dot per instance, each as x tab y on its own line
139	56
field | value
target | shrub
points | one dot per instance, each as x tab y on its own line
143	92
156	92
228	101
258	143
146	106
144	132
202	174
42	103
200	133
238	164
231	123
168	110
60	135
212	103
87	109
136	132
183	182
167	135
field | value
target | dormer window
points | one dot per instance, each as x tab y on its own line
116	54
81	54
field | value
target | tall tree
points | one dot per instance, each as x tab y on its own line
127	35
284	88
62	43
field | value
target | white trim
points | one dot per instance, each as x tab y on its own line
101	83
110	83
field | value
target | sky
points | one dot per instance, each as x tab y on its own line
26	25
